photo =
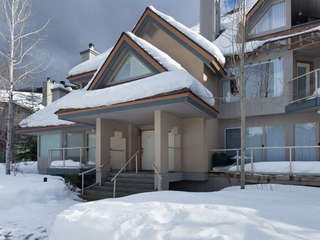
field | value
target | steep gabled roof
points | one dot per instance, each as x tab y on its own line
185	36
160	61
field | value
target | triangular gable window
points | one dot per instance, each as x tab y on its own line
274	17
131	69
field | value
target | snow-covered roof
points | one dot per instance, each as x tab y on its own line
195	36
32	101
151	86
61	86
164	59
226	41
89	65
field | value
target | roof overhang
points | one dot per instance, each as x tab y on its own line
139	112
46	129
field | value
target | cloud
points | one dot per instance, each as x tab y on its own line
75	23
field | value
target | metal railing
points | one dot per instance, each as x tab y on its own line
305	86
252	160
114	179
82	174
64	151
159	177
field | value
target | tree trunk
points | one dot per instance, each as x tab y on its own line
9	133
243	96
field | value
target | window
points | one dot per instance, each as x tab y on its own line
275	137
74	140
132	68
254	138
274	18
305	135
92	151
263	80
50	141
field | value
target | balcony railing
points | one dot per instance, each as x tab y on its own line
306	86
288	167
79	161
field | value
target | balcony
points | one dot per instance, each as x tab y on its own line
306	91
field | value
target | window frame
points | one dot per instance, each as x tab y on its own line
261	15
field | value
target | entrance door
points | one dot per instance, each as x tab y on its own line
303	83
91	150
147	150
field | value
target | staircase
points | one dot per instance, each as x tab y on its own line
127	184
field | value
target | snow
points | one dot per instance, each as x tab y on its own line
90	65
157	84
28	206
25	99
305	167
162	58
61	86
66	163
147	87
194	36
46	116
25	167
263	212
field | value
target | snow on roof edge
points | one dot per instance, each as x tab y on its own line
194	36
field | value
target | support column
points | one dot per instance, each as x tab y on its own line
103	156
161	148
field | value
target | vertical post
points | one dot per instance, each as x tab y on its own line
316	82
114	188
237	160
290	161
50	158
251	161
82	184
80	156
137	163
64	157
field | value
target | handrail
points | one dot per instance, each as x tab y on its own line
252	149
305	74
82	178
114	179
156	170
63	149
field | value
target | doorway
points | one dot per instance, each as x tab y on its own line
148	157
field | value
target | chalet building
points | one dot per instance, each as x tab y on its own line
161	107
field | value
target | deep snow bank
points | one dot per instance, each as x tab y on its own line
260	212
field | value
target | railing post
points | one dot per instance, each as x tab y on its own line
50	158
114	188
316	82
251	161
82	184
290	161
238	161
137	163
64	157
80	156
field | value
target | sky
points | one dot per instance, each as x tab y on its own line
76	23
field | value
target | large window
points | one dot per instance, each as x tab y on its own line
74	140
275	17
132	68
270	136
275	137
48	142
263	80
305	135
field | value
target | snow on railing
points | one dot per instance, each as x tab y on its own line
289	167
68	163
305	86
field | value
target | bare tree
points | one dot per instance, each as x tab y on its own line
16	54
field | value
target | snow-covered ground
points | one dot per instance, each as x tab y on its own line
28	206
261	212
